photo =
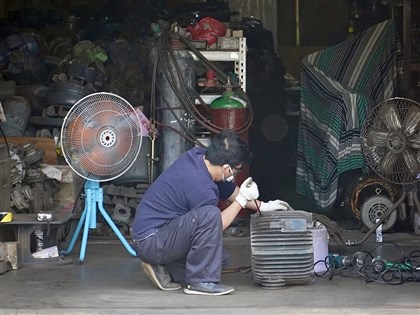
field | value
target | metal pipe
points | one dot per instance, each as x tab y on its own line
377	224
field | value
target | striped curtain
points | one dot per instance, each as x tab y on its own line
338	84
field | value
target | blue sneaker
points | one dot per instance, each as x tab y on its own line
208	288
160	277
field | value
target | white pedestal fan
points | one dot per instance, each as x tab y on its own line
101	138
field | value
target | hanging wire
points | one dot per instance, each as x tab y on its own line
168	65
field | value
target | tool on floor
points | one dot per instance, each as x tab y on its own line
101	138
357	260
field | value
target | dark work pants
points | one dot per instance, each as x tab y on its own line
190	247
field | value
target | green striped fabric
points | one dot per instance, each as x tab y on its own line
338	84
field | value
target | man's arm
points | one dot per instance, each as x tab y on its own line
230	213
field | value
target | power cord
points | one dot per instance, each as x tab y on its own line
373	268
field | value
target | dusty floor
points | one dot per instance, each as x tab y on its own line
110	281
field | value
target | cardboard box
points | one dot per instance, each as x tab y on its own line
237	33
68	188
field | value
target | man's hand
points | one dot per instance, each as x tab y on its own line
273	205
247	192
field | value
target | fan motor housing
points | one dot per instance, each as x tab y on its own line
282	248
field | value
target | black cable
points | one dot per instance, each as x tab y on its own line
5	141
395	272
165	66
183	95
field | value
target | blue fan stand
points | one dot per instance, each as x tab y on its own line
94	199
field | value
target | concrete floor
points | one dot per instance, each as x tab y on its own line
110	281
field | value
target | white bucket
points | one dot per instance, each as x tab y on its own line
320	241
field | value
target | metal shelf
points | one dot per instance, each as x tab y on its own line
237	56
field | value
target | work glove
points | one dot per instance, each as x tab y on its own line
273	205
247	192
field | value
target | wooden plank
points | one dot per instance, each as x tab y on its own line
47	144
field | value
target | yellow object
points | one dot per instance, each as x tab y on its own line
6	217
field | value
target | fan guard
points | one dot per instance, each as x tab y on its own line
101	136
391	140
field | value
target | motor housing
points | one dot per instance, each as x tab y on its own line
282	248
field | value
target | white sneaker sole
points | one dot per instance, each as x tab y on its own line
152	276
195	292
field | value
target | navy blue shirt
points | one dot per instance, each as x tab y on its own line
185	185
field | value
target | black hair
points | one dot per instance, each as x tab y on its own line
227	147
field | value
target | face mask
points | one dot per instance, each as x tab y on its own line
230	178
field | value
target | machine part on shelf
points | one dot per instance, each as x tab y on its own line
55	111
282	248
209	81
43	133
25	68
24	42
36	95
68	93
37	203
44	216
34	175
61	47
47	200
17	111
374	208
82	74
31	154
46	121
86	52
7	89
122	201
121	214
71	23
20	197
17	169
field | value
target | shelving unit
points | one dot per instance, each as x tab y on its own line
236	56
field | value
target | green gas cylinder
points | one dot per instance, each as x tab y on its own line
228	111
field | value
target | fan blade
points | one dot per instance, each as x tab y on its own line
387	163
377	138
389	115
414	141
411	162
411	121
